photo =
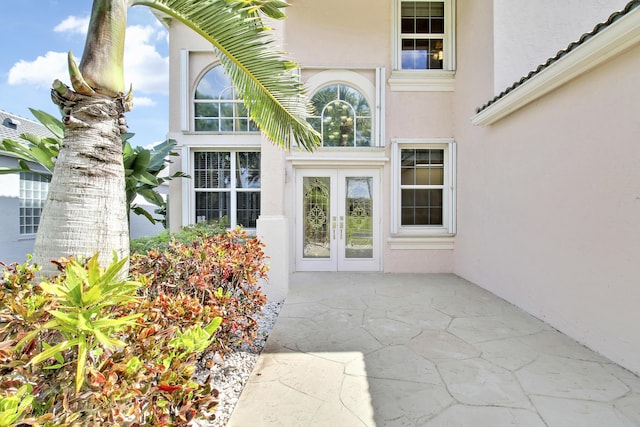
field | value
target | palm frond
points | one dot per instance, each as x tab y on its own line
265	79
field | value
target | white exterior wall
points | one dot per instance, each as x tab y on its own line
549	201
182	38
527	33
14	247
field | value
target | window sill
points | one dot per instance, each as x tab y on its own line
422	81
441	242
360	156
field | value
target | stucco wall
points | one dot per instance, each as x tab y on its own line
549	204
356	35
527	32
338	32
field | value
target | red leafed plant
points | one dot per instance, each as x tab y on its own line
222	271
193	299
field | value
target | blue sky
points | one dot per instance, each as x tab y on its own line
37	34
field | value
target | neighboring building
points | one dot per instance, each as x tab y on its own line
140	226
426	165
22	196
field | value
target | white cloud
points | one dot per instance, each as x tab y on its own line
142	101
145	67
41	72
74	25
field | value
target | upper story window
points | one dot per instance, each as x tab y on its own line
217	107
422	35
423	45
343	116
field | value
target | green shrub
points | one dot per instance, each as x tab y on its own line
142	245
186	235
84	297
200	231
14	405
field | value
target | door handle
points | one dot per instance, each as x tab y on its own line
341	225
333	226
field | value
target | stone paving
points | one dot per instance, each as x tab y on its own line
373	349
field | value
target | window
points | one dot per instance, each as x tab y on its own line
423	45
424	187
217	107
421	186
343	116
421	35
33	193
227	186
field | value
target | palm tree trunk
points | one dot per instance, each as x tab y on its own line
86	210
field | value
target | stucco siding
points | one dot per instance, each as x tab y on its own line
527	33
339	33
549	209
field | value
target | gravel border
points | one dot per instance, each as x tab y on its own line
229	375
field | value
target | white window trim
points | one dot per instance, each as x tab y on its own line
23	199
184	91
374	93
424	80
192	101
188	185
434	237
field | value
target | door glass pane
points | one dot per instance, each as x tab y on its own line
316	240
358	213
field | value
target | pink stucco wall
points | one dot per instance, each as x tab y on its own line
549	203
338	32
527	32
548	198
356	34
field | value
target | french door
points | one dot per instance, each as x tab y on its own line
337	220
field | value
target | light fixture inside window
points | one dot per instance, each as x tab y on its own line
438	55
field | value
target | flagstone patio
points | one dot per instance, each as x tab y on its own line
373	349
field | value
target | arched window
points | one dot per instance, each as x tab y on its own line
217	107
343	116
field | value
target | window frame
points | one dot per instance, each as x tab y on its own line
373	92
27	228
428	79
320	116
448	227
234	100
233	189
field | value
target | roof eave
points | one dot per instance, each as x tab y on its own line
599	48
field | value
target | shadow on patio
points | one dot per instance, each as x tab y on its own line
373	349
